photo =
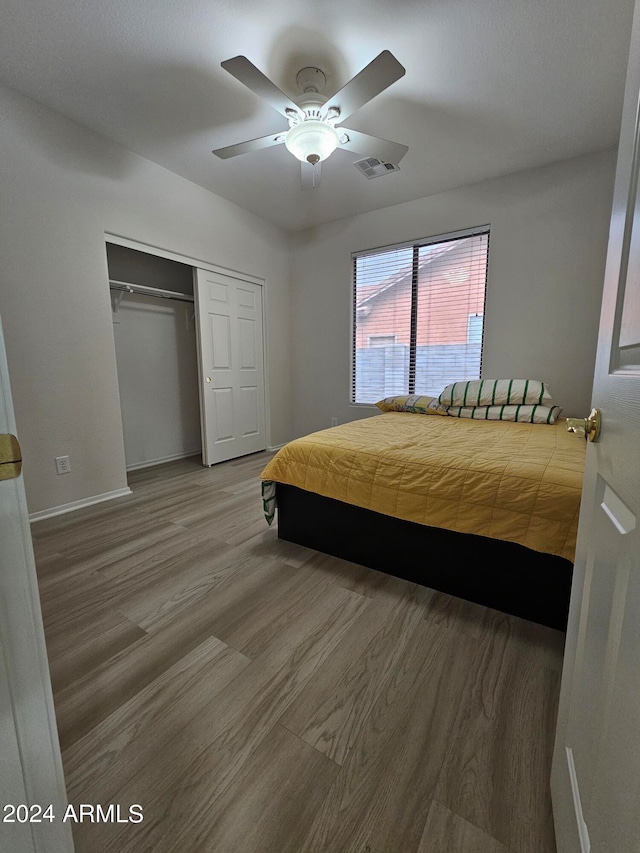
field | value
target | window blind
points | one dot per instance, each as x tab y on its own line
418	316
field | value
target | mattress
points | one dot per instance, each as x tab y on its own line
512	481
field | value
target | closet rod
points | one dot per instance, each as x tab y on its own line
149	291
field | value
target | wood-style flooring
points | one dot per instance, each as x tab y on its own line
254	696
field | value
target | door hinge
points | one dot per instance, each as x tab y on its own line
10	457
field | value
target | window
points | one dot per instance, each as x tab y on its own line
418	314
381	340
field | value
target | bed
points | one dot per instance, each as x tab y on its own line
480	509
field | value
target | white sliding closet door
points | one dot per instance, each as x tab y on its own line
231	365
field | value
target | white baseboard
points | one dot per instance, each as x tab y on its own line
150	463
275	448
70	507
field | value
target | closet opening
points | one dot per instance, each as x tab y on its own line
189	344
156	353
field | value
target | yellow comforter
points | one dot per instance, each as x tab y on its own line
513	481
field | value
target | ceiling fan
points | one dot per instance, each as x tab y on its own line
315	121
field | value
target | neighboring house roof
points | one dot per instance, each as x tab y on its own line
370	292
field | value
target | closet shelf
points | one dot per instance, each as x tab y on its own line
129	287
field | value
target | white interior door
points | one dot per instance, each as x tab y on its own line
31	769
231	366
596	767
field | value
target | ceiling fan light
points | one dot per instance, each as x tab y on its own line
312	141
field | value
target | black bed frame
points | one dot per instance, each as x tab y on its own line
502	575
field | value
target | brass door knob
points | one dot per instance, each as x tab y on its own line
586	427
10	457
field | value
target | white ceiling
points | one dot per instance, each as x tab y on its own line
491	86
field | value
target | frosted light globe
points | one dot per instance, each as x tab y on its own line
312	141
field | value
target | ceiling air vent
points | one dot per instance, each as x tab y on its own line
374	168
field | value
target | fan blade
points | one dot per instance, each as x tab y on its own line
373	79
371	146
246	72
250	145
310	176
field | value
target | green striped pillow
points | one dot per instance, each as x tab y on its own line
520	413
496	392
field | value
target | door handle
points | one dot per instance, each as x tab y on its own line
10	457
587	428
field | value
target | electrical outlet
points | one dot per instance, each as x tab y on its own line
63	465
334	422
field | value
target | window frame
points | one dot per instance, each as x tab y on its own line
415	245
